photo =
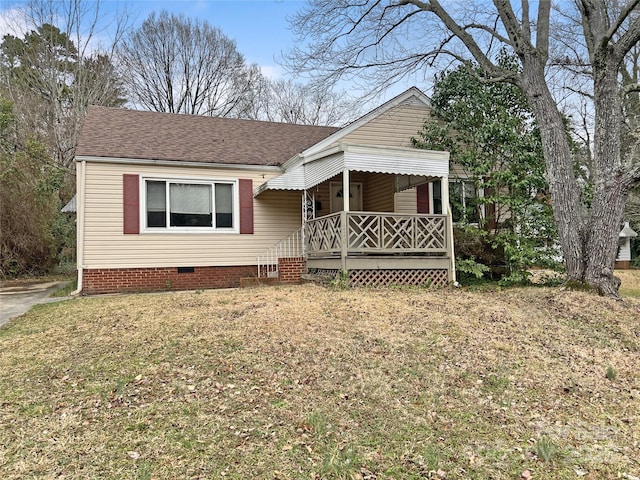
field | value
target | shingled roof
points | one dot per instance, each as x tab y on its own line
119	133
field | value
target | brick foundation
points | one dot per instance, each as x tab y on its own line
118	280
623	264
290	269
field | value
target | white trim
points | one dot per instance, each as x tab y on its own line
144	229
444	196
177	163
431	205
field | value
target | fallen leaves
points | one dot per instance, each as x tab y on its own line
312	383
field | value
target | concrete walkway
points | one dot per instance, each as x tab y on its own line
18	299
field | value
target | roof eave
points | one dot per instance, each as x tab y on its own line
176	163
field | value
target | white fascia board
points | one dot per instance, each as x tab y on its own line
324	153
403	152
293	162
366	118
177	163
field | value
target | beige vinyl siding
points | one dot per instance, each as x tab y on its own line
393	128
457	171
276	215
406	201
378	193
321	194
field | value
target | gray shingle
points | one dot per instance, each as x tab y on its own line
121	133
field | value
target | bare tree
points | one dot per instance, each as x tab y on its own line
290	102
179	65
59	68
393	38
51	69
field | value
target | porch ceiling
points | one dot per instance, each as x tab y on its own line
309	172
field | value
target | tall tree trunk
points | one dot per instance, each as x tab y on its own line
565	192
610	188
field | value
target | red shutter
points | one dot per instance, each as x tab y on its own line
131	203
422	192
245	187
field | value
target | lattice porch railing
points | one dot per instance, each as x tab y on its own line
376	233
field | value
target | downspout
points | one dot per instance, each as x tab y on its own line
81	169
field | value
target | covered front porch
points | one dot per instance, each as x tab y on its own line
362	216
355	241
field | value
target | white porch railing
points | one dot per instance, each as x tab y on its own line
292	246
376	233
364	234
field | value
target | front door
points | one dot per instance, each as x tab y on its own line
337	197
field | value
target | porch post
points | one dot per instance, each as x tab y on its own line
444	188
305	217
444	193
344	231
346	190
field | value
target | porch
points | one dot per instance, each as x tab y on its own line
373	248
362	215
382	248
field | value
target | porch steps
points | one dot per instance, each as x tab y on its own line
290	247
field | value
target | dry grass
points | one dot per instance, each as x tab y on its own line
630	282
306	382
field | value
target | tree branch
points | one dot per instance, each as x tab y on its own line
519	43
624	14
629	39
542	33
491	31
526	26
630	88
434	7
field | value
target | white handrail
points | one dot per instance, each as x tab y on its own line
290	247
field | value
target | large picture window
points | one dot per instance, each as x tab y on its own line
191	205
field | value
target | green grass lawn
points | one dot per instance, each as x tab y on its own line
310	383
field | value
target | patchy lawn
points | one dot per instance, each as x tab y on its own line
306	382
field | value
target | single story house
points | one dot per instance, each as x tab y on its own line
168	201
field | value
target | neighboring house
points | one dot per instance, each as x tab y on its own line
169	201
623	260
70	207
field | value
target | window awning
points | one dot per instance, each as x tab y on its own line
412	164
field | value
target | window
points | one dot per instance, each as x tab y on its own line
463	198
189	205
